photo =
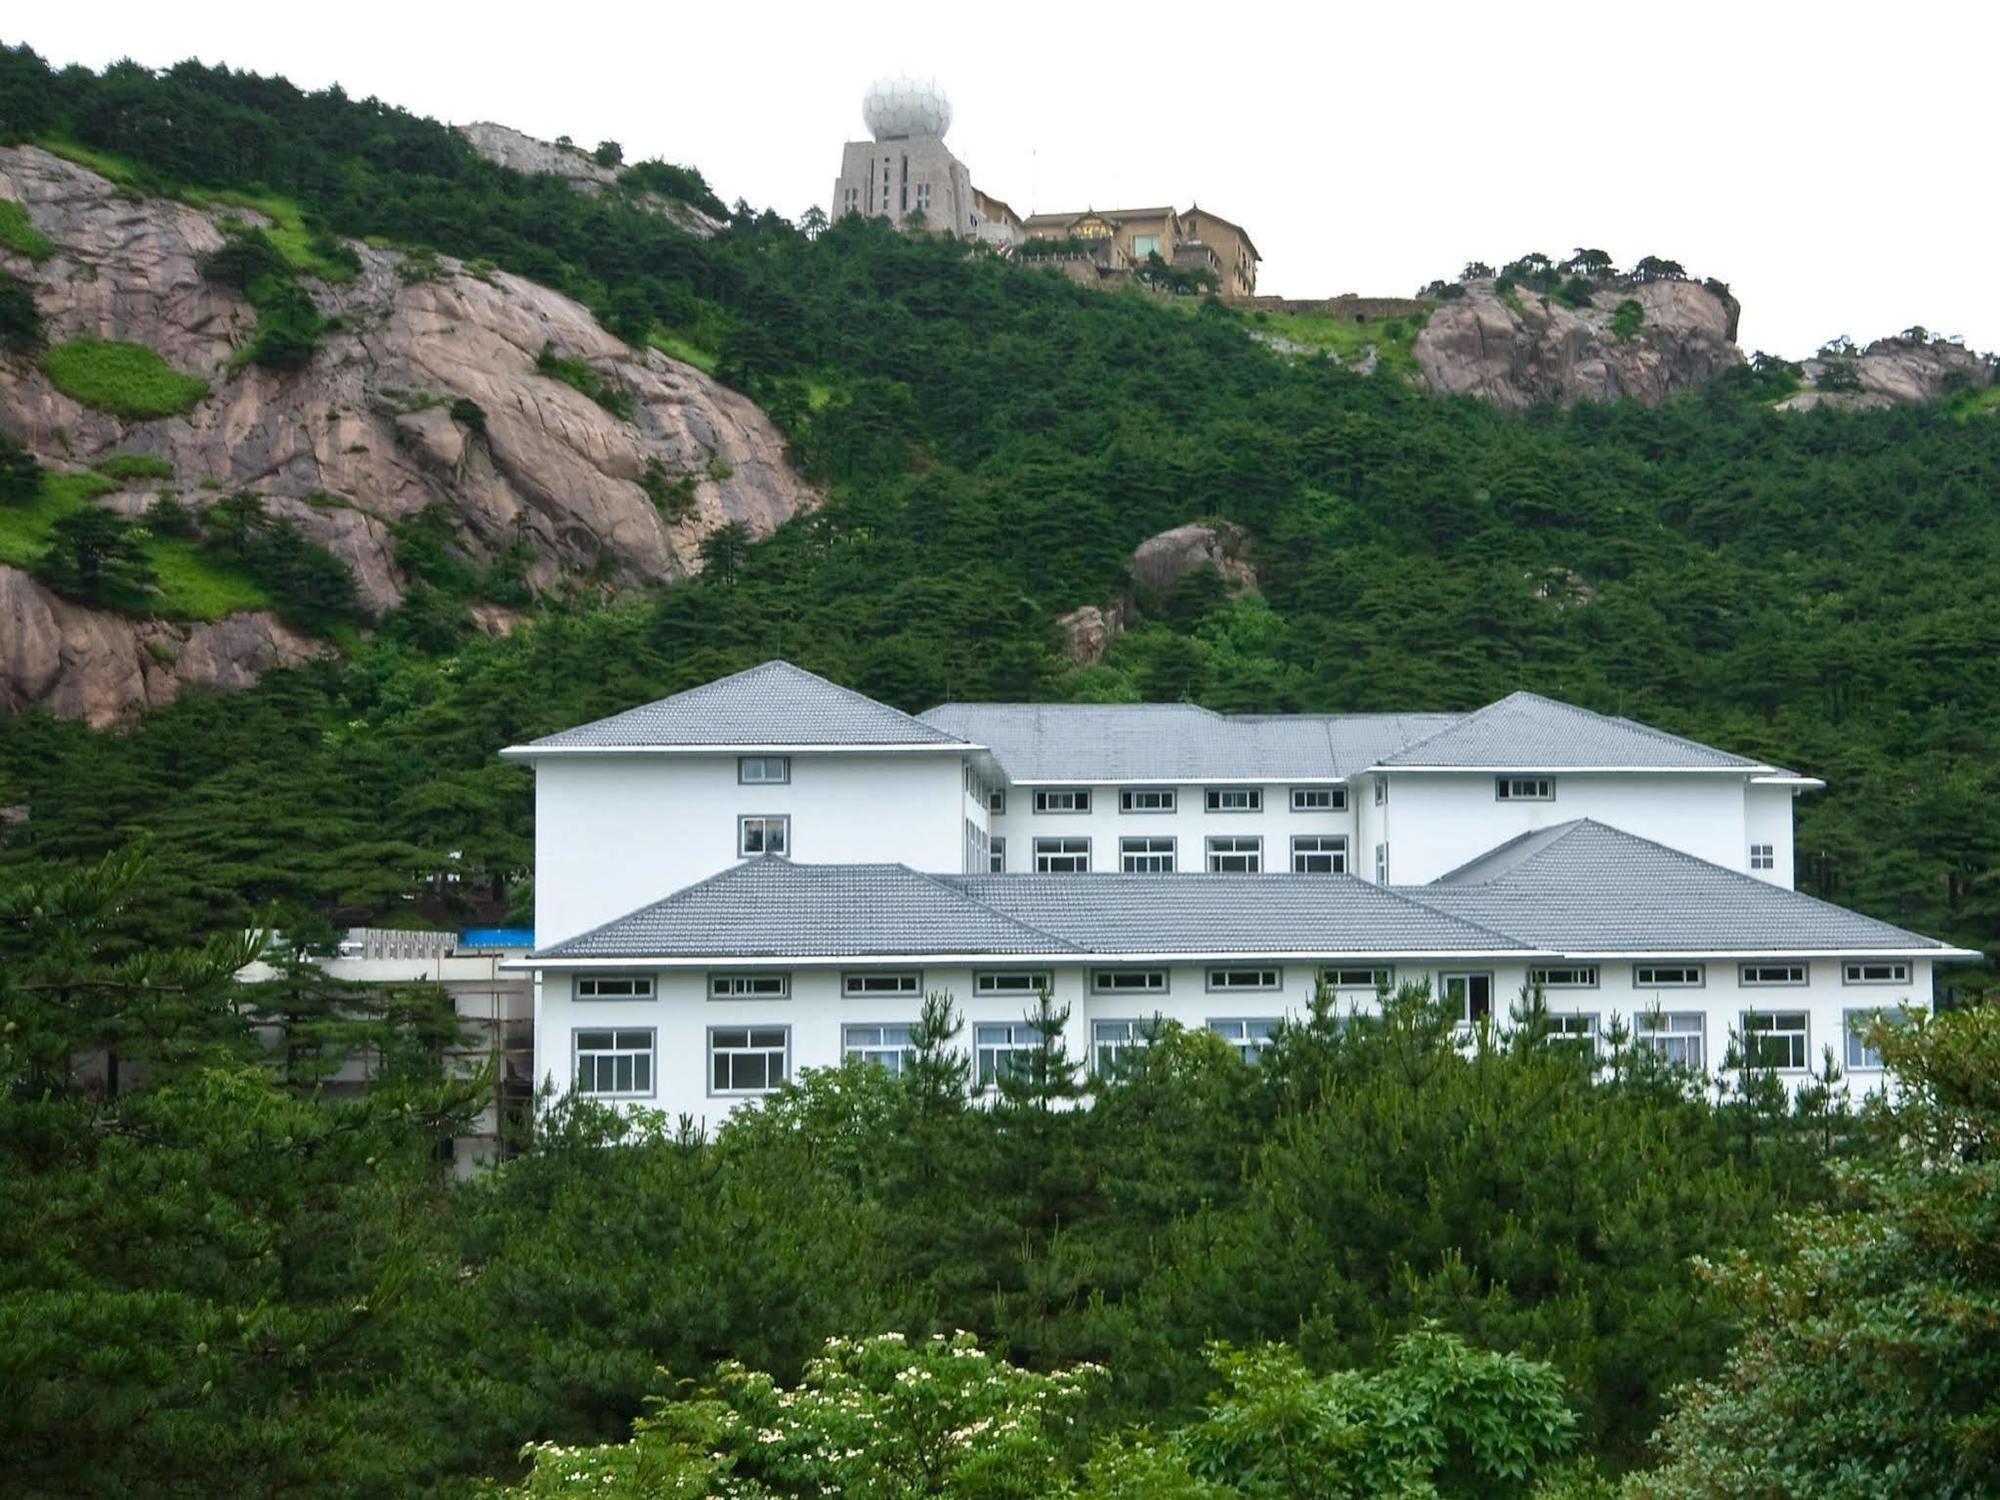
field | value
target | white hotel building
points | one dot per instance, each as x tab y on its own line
769	872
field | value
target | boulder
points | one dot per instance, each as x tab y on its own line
1160	562
1088	631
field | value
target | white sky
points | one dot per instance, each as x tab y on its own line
1834	162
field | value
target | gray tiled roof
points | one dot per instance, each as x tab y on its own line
774	704
1529	732
1199	913
773	908
1582	887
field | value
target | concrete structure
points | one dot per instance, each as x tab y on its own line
770	872
906	169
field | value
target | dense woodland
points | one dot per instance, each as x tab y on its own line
222	1273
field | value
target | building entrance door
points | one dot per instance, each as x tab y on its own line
1470	995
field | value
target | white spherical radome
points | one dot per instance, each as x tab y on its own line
905	106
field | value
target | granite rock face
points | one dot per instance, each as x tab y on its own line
1519	348
425	398
509	147
1161	561
1906	370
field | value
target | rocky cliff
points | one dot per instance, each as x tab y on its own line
1907	370
523	153
361	438
1519	348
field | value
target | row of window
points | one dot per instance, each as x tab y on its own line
620	1062
1166	799
875	984
1225	854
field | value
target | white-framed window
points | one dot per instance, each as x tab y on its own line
978	849
1567	977
1771	974
1775	1039
1319	854
1002	1049
1249	1035
1146	856
887	1046
1371	980
614	986
763	770
759	985
923	195
1235	981
1381	864
1875	971
1861	1056
1128	981
1763	856
614	1064
1381	791
996	801
1147	799
1062	799
1575	1027
759	835
1319	799
1062	856
1114	1042
1235	855
1022	983
996	854
1524	788
1235	799
874	984
748	1059
1668	976
1470	996
1677	1036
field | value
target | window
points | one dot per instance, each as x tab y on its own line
1148	856
1114	1042
1023	982
996	855
1763	856
1381	864
1856	1023
996	802
614	1063
1575	977
1249	1035
1577	1029
1128	981
1073	799
887	1047
1371	980
869	986
1471	995
1062	856
1144	245
1235	856
1774	1038
1235	981
757	836
749	986
748	1059
1875	973
1002	1049
923	195
1381	791
1147	799
1673	1036
1667	976
1228	799
1524	788
1319	799
978	849
1772	974
1319	854
614	987
763	770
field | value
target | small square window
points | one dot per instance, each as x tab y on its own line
1861	1056
1062	856
1146	856
887	1047
614	1064
996	802
1674	1037
1235	856
1775	1039
1115	1042
763	770
1249	1035
1763	856
748	1059
1002	1049
758	836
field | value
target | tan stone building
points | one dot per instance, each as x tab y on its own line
1196	241
998	225
1234	256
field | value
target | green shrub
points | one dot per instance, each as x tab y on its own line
98	557
20	235
20	319
288	324
1627	320
582	377
674	497
167	517
469	412
20	474
134	466
1576	292
129	380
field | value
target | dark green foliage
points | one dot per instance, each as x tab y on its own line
608	154
1627	319
1653	268
288	324
97	557
20	474
1841	374
469	412
674	496
586	378
1576	292
669	181
167	517
20	319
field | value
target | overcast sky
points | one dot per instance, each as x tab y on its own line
1834	162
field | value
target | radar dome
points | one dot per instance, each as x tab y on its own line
905	106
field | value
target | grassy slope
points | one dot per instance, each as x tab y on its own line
1349	341
127	379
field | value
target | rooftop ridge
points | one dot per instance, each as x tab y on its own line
1404	758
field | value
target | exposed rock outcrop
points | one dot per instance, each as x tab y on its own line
1088	631
1520	348
91	665
512	148
1160	562
1907	370
426	395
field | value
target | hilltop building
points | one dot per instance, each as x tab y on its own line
906	168
1120	240
770	872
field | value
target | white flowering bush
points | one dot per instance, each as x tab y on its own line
878	1418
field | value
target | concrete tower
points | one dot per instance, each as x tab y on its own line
906	168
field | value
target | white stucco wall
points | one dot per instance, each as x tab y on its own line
1768	820
614	832
1189	824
